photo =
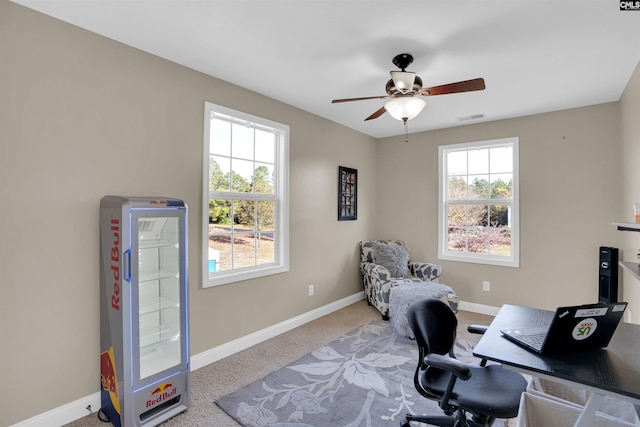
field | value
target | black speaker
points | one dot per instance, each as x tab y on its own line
608	287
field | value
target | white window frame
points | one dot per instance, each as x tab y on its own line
513	260
281	220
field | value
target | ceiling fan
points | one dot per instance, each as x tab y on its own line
405	91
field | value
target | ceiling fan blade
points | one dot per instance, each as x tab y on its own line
358	99
377	114
463	86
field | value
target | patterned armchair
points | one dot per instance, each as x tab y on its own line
385	264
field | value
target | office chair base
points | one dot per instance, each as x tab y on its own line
460	420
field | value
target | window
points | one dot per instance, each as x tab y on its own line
478	202
245	196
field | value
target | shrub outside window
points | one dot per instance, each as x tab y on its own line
478	202
245	207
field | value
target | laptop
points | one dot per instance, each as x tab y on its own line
570	329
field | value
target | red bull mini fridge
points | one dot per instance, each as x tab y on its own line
144	360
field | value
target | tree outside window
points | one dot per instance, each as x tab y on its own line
478	202
246	197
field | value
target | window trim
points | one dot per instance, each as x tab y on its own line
443	253
281	250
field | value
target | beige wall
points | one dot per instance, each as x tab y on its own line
569	193
78	112
84	116
630	182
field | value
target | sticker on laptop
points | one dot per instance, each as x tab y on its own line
591	312
584	329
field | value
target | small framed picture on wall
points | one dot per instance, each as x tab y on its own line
347	194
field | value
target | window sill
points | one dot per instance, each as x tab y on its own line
478	260
225	278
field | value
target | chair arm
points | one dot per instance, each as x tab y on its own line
426	271
477	329
455	368
449	364
375	270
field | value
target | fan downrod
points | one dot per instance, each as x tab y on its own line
403	60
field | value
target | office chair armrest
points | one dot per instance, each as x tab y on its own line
477	329
449	364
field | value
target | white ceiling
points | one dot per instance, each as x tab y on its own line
535	55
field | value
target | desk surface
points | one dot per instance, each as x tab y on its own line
615	369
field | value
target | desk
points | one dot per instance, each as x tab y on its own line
614	371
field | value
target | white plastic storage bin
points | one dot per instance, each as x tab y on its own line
537	411
565	393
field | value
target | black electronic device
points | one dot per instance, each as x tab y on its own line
572	328
608	275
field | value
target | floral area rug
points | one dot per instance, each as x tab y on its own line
362	379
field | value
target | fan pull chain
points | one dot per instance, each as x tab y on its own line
406	130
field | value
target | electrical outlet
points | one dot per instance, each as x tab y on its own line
486	286
310	290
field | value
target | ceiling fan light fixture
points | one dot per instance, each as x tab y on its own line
403	80
405	107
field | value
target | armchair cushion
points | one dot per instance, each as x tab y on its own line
425	271
378	279
394	258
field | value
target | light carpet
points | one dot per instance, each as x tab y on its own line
363	378
218	379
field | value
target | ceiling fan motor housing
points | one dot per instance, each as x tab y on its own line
403	60
392	90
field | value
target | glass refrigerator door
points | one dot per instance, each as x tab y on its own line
158	261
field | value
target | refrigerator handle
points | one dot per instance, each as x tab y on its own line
126	265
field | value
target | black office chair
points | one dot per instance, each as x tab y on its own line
484	392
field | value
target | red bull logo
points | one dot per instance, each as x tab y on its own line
108	377
115	264
162	393
158	202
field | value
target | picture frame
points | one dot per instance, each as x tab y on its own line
347	194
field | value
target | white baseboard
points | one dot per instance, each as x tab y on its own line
64	414
205	358
82	407
478	308
78	409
